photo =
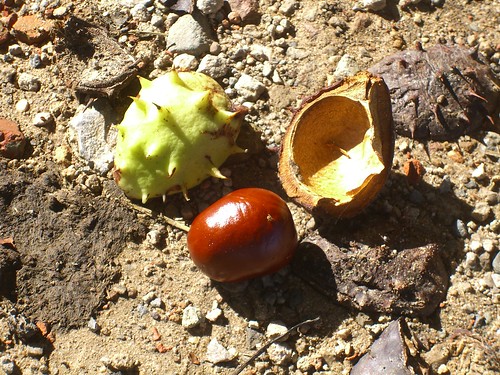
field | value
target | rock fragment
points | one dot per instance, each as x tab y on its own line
209	6
280	353
12	140
249	88
91	128
191	317
248	10
213	66
31	29
187	35
28	82
217	353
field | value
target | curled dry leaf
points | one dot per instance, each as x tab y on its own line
440	93
396	351
380	279
338	149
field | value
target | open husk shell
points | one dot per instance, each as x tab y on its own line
338	150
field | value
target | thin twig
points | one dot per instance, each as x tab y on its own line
268	344
175	223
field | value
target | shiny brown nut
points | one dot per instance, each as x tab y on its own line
247	233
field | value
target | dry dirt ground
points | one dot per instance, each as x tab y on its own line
108	281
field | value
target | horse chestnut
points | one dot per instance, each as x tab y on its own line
247	233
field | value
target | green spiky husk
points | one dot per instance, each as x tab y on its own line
175	134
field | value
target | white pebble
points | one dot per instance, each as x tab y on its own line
280	353
22	105
479	173
275	329
43	119
213	314
217	353
373	5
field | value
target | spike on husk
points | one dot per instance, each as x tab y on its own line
338	149
177	132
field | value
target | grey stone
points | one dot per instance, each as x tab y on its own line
260	52
213	66
461	229
187	35
16	50
297	53
185	61
191	317
280	353
496	263
156	302
288	7
249	88
347	66
28	82
481	212
93	325
91	127
34	351
471	260
446	185
7	365
209	6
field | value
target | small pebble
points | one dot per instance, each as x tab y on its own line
495	264
28	82
35	61
471	260
496	280
209	6
185	61
347	66
213	66
43	119
148	297
34	351
249	88
22	105
475	246
120	362
443	369
489	245
16	50
461	229
481	212
275	329
191	317
479	173
93	325
156	302
217	353
280	353
373	5
7	365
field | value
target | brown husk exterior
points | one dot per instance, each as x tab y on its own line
363	87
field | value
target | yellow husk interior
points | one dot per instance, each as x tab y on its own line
342	156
